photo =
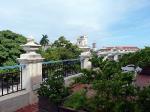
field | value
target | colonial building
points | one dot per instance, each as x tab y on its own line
114	53
82	43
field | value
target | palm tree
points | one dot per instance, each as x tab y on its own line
44	41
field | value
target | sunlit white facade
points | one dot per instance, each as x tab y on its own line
114	53
82	43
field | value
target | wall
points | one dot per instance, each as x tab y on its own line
14	101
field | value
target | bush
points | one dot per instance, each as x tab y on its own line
87	76
77	100
54	88
144	100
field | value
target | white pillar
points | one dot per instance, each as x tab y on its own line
84	58
116	57
32	73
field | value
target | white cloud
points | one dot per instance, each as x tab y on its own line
98	15
71	17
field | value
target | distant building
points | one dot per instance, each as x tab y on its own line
94	46
82	43
114	53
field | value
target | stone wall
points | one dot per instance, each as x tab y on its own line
14	101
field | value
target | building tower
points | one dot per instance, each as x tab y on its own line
94	46
82	43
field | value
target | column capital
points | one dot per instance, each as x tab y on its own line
30	56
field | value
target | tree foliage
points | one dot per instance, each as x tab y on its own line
61	49
77	100
115	90
115	94
144	100
54	88
44	41
10	48
140	58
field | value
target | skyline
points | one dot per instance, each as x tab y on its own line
108	23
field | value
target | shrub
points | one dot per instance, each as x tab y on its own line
143	100
77	100
87	76
54	88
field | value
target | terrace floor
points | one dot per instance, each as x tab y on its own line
31	108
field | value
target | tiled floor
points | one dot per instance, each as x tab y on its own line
29	108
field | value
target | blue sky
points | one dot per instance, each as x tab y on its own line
106	22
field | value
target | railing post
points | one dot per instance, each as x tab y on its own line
84	58
32	72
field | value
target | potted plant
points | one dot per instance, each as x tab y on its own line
52	92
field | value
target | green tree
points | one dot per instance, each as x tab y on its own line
143	100
44	41
62	49
115	93
54	87
77	100
61	42
140	58
10	48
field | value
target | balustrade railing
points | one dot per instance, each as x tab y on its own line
10	79
68	67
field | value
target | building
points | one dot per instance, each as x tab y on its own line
114	53
82	43
94	46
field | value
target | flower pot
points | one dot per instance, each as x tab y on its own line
65	109
46	105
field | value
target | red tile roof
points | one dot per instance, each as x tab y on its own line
122	47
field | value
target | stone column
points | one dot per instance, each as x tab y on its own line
32	73
84	58
116	58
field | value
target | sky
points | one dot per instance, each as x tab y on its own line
105	22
